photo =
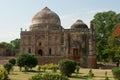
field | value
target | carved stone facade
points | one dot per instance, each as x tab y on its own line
47	38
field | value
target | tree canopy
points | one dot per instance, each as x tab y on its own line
104	24
7	45
27	61
114	42
14	44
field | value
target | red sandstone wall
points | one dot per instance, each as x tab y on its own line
92	62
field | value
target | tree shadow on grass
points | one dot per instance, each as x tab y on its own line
79	77
13	73
33	71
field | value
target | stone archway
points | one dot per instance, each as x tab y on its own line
40	52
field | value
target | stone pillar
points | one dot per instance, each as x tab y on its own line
91	57
67	44
92	50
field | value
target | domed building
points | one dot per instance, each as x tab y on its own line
50	42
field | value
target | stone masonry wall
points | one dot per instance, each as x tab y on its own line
49	59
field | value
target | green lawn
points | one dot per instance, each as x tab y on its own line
99	74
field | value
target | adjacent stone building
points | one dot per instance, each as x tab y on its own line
47	39
7	52
2	50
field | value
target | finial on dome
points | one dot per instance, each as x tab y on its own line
46	8
79	21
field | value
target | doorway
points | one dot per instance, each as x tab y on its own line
40	52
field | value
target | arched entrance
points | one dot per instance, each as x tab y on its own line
40	52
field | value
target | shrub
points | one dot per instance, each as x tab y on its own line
90	74
12	61
50	66
39	68
36	77
77	68
8	67
53	67
106	77
44	67
27	61
116	73
3	74
67	67
47	76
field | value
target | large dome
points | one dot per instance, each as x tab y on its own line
46	16
79	24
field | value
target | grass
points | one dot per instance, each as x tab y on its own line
82	75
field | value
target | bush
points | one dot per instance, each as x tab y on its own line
44	67
36	77
106	77
8	67
116	73
39	68
3	74
47	76
27	61
53	67
50	66
77	68
12	61
67	67
90	74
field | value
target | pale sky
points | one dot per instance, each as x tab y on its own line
16	14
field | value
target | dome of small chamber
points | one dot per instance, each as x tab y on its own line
79	24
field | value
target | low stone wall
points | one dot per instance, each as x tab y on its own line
4	59
49	59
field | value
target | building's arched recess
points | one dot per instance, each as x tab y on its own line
50	51
40	52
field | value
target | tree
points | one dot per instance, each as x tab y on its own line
15	43
27	61
104	24
114	42
7	45
12	61
8	67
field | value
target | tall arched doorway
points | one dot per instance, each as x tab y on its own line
40	52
